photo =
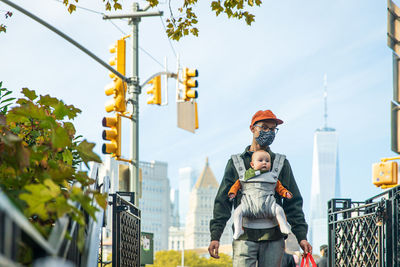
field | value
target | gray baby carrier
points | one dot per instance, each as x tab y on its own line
258	194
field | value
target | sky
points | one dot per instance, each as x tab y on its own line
278	63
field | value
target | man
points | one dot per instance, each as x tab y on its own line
288	260
323	261
264	245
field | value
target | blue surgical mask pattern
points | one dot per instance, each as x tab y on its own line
265	138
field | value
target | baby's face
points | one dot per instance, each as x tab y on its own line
261	161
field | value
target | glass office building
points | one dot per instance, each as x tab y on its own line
325	183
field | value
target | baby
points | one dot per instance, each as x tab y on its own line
260	164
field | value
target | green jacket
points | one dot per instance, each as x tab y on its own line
293	207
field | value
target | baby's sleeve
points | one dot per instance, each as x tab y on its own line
281	189
235	187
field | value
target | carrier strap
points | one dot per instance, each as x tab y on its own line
239	165
241	169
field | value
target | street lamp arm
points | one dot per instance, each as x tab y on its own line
66	37
169	75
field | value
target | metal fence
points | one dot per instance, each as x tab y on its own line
365	233
21	243
125	230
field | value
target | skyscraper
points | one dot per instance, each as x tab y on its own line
187	178
325	183
155	203
197	230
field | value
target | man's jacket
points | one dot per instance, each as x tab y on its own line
293	207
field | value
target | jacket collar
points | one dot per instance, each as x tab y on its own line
248	153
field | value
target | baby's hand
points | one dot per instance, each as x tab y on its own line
289	195
231	196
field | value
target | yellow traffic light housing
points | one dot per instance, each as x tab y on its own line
118	86
155	91
118	89
189	83
113	135
385	173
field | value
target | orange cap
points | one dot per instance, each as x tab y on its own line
265	115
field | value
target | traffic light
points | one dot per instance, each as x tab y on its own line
113	135
155	91
117	87
384	174
393	27
189	83
393	41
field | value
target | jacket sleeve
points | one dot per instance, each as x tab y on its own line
222	205
293	207
234	188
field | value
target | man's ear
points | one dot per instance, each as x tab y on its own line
252	128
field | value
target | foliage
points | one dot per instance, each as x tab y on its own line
184	23
172	258
3	28
39	160
5	102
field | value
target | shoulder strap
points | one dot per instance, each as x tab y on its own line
239	165
278	163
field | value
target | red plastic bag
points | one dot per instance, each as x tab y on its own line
305	259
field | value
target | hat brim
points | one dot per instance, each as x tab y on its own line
278	121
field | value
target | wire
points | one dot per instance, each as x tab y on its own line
151	57
84	8
169	40
116	26
147	53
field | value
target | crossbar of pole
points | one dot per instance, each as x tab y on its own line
169	74
134	15
66	37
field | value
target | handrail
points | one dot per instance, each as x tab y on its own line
92	244
8	208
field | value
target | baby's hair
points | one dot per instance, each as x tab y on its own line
258	152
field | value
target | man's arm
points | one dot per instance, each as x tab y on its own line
222	205
293	207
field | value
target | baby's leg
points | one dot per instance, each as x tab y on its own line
281	218
237	222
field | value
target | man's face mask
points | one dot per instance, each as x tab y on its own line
265	138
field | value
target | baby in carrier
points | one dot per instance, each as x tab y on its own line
258	190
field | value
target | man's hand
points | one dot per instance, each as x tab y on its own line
306	247
213	249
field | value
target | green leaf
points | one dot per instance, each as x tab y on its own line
39	195
60	138
54	189
60	111
48	101
69	127
85	150
101	199
30	94
67	156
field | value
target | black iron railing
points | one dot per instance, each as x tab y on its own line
125	230
365	233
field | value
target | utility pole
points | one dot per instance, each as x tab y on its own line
134	90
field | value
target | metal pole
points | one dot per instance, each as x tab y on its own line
183	254
134	168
